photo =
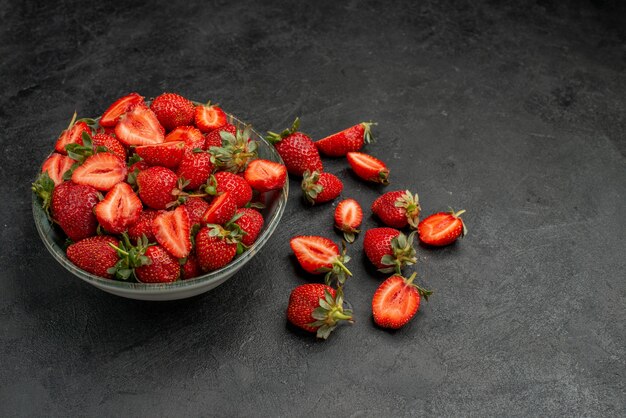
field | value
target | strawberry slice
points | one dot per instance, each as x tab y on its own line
72	135
111	116
192	137
209	117
172	230
368	168
140	126
348	218
120	209
396	301
442	228
101	171
167	154
222	209
319	255
56	165
264	175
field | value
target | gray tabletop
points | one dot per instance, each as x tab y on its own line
514	113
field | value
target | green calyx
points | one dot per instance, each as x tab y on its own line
338	272
458	216
310	187
402	254
330	313
368	138
423	292
43	188
236	151
231	233
410	203
273	137
131	256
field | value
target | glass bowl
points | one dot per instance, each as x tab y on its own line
275	202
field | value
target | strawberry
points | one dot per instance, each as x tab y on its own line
297	150
120	209
166	154
156	185
209	117
143	225
139	126
224	181
215	247
162	267
317	308
321	187
214	138
94	255
195	209
398	209
191	268
190	135
251	223
110	143
102	171
236	151
442	228
195	168
173	110
220	210
172	230
348	218
368	167
56	165
396	301
72	208
72	135
265	175
319	255
348	140
112	115
389	249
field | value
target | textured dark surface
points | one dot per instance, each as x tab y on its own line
515	113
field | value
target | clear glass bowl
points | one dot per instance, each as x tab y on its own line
275	203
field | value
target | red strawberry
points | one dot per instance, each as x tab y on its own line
319	255
166	154
396	301
191	268
251	223
143	225
195	168
321	187
214	248
348	140
348	218
297	150
317	308
112	115
94	255
163	267
195	209
172	230
191	136
140	126
56	165
209	117
72	135
156	185
110	143
389	249
72	208
139	166
214	138
173	110
221	210
120	209
264	175
398	209
224	181
102	171
442	228
368	167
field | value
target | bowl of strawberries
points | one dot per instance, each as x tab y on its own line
158	200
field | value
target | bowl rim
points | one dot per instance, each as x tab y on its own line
204	280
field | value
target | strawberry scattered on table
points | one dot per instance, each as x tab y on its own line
442	228
321	187
297	150
368	168
398	209
396	301
348	218
349	140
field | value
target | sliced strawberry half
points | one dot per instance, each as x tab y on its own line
72	135
101	171
209	117
166	154
264	175
319	255
442	228
396	301
140	126
120	209
191	136
222	209
56	165
112	115
348	218
172	230
368	168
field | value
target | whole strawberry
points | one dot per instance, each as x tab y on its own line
321	187
214	138
94	255
155	186
191	268
251	222
297	150
195	207
442	228
348	217
173	110
110	143
348	140
224	181
389	249
72	208
396	301
317	308
162	267
215	247
398	209
195	168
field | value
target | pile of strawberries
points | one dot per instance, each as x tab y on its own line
156	193
319	308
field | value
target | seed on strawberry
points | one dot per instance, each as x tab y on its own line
112	115
102	171
94	255
191	136
72	208
442	228
56	165
120	209
317	308
348	218
195	207
110	143
72	135
162	268
143	225
319	255
348	140
214	138
224	181
265	175
368	168
321	187
190	268
398	209
396	301
156	185
389	249
235	152
172	230
173	110
251	222
215	247
195	168
220	210
139	126
297	150
166	154
209	117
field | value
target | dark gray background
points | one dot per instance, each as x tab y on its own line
513	112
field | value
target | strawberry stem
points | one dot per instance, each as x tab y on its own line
343	267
